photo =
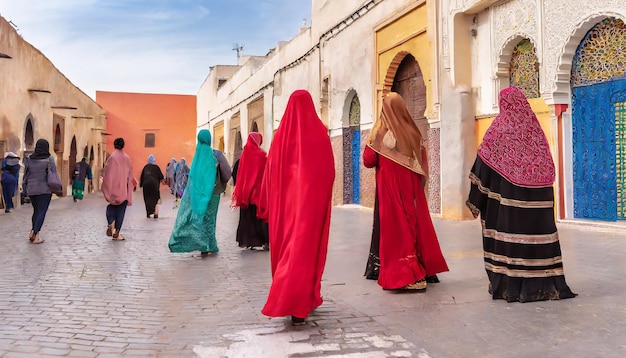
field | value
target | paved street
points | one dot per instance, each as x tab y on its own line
80	294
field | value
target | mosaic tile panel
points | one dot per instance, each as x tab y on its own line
337	145
368	177
524	69
434	170
601	54
595	149
347	165
620	157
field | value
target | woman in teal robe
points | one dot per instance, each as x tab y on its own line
194	229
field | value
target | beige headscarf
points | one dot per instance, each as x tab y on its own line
396	136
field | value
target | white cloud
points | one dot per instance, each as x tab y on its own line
154	46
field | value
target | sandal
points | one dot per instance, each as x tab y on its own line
111	229
118	237
417	286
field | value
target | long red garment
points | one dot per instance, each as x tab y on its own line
250	172
296	200
409	249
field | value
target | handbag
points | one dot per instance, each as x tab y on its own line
220	187
54	181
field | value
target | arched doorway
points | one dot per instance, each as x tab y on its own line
72	158
238	146
29	137
352	152
599	123
255	127
408	81
58	139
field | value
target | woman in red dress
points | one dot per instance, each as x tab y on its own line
296	198
251	231
408	248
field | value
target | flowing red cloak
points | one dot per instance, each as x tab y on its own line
250	172
296	199
409	249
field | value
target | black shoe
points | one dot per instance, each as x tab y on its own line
297	321
432	279
156	216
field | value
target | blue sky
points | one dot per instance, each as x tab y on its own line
151	46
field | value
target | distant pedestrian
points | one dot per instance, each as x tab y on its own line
170	170
194	228
10	179
512	191
117	187
35	184
409	253
181	176
150	181
82	171
296	198
251	231
235	171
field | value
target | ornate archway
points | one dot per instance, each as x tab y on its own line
72	158
405	77
352	151
598	82
29	137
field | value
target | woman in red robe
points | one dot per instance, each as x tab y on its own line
296	198
251	231
409	250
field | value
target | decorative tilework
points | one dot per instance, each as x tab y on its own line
434	170
368	177
524	69
596	145
620	157
601	55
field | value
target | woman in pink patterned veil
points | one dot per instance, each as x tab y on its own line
511	190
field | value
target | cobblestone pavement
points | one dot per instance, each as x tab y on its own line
80	294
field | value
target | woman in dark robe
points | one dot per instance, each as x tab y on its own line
407	245
248	176
511	190
82	171
150	181
10	178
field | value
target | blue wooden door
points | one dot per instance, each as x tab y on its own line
356	166
598	125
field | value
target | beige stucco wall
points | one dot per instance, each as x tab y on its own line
27	70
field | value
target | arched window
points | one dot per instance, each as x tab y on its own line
600	55
524	69
29	138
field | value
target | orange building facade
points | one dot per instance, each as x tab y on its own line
159	124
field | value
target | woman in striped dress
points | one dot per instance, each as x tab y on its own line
511	190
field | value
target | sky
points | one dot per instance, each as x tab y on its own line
151	46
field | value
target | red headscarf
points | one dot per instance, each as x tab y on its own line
250	172
296	201
515	145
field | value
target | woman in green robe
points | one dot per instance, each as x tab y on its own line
194	229
82	171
